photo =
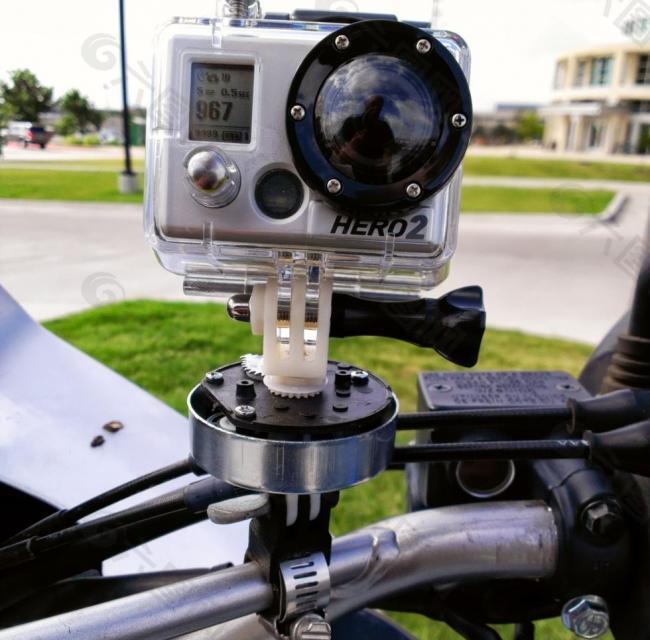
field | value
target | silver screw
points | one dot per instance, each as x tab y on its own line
413	190
297	112
341	42
216	377
359	377
586	616
334	186
423	46
459	120
245	412
311	626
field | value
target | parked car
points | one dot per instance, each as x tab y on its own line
36	135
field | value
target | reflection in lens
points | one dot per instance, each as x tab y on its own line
376	119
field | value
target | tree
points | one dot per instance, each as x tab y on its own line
24	97
78	112
530	126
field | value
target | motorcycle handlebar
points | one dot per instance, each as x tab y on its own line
464	542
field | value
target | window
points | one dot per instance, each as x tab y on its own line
581	74
601	71
643	70
560	75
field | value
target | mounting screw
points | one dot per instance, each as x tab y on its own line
297	112
413	190
334	186
604	519
423	46
341	42
586	616
359	378
215	377
459	120
311	626
245	412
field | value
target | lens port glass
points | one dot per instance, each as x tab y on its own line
376	119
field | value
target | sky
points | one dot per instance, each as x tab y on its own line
514	43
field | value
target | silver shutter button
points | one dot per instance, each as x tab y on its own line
214	179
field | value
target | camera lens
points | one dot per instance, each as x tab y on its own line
379	125
279	193
376	120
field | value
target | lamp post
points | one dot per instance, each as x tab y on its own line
127	180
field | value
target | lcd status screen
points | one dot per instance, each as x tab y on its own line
221	102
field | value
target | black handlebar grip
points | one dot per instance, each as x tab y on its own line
626	449
452	325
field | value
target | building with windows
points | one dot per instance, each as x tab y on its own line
601	101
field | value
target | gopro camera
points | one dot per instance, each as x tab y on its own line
297	141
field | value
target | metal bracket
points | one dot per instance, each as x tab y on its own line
304	585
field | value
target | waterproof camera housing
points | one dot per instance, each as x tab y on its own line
278	142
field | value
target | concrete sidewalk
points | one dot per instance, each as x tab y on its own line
561	275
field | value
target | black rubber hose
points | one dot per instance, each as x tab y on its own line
68	517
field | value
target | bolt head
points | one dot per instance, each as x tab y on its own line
586	616
341	42
334	186
604	519
311	626
458	120
245	412
215	377
413	190
297	112
423	46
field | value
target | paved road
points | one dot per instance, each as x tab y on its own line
550	274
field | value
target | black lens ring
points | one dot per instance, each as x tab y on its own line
399	40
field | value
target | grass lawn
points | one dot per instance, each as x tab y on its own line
112	165
101	186
166	347
89	186
543	168
516	200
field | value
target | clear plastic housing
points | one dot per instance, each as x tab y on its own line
232	247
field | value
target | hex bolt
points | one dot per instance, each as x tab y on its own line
341	42
311	626
423	46
603	519
413	190
297	112
586	616
458	120
334	186
214	377
245	412
359	378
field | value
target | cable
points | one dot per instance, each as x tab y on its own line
499	416
68	517
495	450
193	498
31	564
